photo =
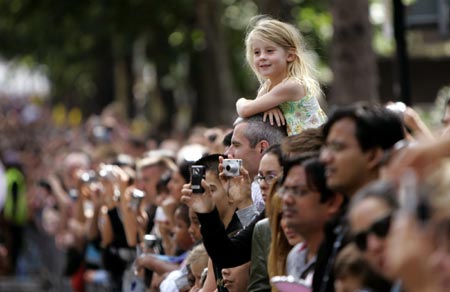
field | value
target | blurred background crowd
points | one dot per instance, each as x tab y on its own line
96	148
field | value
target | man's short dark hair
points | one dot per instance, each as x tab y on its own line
259	130
211	162
375	125
227	139
275	149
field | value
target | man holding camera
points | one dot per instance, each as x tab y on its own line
210	195
251	136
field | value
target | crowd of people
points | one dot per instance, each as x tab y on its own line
284	198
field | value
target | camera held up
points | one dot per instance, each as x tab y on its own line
197	174
231	167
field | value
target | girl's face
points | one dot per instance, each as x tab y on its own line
175	185
181	235
270	60
367	219
194	227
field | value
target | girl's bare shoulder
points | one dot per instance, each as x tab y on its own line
292	88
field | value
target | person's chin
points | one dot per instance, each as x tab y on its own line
332	183
229	286
382	269
264	196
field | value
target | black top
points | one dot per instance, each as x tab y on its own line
234	226
226	251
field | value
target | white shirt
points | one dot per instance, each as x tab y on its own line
257	197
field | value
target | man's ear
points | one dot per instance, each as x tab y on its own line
334	204
375	156
262	145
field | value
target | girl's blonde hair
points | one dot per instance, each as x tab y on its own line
288	37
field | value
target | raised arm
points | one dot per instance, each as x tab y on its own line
226	252
286	91
419	157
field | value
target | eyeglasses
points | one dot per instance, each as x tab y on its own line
269	178
333	147
296	191
379	228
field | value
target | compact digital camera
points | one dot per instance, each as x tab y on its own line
136	198
197	174
150	240
231	167
88	176
106	171
398	107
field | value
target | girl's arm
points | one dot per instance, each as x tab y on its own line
286	91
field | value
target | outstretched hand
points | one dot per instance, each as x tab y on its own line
199	203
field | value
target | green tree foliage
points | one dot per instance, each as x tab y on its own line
195	46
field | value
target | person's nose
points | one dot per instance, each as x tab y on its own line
225	273
262	56
230	150
287	198
325	156
374	243
263	184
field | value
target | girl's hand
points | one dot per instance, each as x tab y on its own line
275	114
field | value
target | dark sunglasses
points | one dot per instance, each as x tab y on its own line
379	228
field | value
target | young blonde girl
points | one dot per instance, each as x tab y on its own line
288	92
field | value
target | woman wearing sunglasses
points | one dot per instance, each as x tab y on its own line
369	216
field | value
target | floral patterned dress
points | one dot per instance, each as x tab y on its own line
302	114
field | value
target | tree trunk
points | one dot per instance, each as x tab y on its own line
279	9
216	102
123	74
352	57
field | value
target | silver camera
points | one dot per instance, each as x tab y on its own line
136	198
88	176
398	107
231	167
150	240
107	171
